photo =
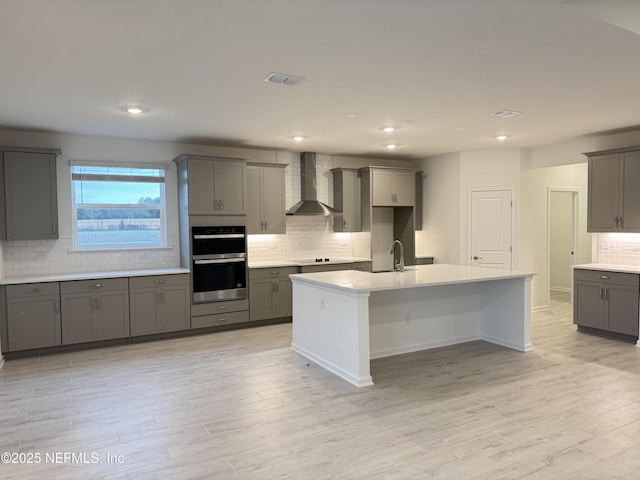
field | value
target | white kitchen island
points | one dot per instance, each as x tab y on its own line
343	319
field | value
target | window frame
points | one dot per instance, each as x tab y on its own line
161	207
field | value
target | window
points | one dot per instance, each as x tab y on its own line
118	206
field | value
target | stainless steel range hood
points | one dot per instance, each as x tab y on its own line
309	205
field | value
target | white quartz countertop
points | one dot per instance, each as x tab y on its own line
609	267
304	262
413	277
63	277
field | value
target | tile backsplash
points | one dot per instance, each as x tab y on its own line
307	237
619	248
44	257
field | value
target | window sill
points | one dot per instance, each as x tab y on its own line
118	249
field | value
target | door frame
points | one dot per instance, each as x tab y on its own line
575	206
470	193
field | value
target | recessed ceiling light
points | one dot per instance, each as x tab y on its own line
502	137
133	109
389	129
391	146
352	115
298	138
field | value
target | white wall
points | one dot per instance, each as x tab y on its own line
560	240
440	208
533	225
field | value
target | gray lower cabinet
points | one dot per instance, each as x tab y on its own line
362	266
270	293
33	316
159	303
606	301
94	310
28	194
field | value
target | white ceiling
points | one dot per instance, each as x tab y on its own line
436	68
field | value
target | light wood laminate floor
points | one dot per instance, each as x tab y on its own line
241	405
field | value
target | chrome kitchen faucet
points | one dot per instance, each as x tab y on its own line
400	265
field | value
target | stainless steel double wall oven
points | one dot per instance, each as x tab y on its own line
219	263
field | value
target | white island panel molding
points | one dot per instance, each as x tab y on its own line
342	320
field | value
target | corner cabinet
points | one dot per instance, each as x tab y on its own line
28	189
265	198
212	185
94	310
159	304
606	301
346	198
33	316
614	197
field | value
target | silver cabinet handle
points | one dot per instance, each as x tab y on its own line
604	277
159	282
32	291
95	286
266	225
606	293
220	307
224	260
220	320
601	293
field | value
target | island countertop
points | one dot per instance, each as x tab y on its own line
609	267
413	277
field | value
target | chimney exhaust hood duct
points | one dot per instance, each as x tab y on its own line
309	205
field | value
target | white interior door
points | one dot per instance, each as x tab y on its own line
491	242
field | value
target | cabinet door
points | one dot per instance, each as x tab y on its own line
284	291
603	194
382	188
31	196
201	188
630	191
112	319
77	318
254	200
622	309
404	188
273	212
34	322
229	185
144	311
351	218
175	309
588	306
261	294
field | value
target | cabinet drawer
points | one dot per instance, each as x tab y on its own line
631	279
97	285
33	289
332	267
214	308
278	272
159	281
222	319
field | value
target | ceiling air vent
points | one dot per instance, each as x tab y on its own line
504	113
283	79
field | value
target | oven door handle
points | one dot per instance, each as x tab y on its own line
227	235
224	260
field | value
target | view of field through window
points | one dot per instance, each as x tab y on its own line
118	207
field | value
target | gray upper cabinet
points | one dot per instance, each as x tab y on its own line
33	316
346	198
392	187
212	185
614	198
265	199
28	186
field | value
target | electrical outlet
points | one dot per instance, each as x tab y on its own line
41	255
322	304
